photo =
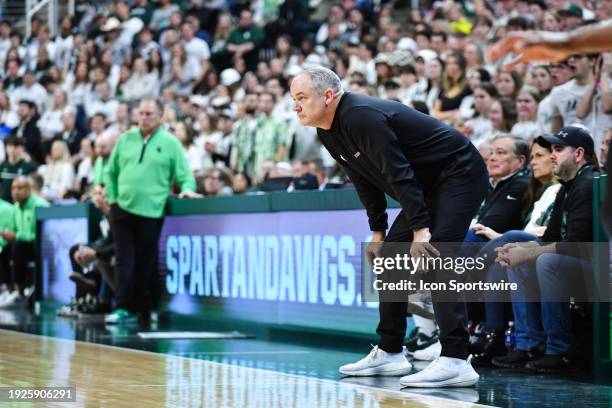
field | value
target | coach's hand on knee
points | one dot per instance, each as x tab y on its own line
421	247
374	248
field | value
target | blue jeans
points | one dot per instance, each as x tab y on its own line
495	306
545	325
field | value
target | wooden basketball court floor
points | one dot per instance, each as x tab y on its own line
113	366
109	376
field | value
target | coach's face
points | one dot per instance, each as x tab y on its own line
149	117
309	106
503	161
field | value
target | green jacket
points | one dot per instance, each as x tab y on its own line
7	214
98	171
139	177
24	220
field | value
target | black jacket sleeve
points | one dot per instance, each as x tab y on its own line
374	135
372	198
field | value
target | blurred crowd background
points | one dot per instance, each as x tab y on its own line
222	70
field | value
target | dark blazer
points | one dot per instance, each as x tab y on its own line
503	207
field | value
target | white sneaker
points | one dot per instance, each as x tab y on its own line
443	372
378	362
14	301
3	295
429	353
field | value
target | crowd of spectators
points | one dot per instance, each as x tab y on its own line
222	70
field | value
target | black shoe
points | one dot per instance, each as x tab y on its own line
82	278
494	347
478	338
516	359
551	363
419	341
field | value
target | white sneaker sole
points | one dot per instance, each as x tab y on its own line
466	380
387	370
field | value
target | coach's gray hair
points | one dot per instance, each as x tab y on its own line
322	78
521	147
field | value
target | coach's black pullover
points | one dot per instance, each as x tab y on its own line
387	147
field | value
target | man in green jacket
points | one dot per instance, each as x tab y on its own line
139	177
22	236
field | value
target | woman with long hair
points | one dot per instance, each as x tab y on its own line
542	80
8	117
502	114
479	128
184	133
433	73
77	84
58	173
508	84
473	55
454	88
527	113
220	57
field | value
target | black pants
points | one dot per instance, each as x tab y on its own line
452	205
136	239
24	257
81	289
6	277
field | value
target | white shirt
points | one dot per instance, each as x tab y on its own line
545	115
63	50
36	93
200	143
565	98
546	200
50	123
197	50
138	87
526	130
482	130
108	108
77	95
599	121
194	158
85	170
58	178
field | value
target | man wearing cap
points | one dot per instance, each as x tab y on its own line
554	268
438	177
571	17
